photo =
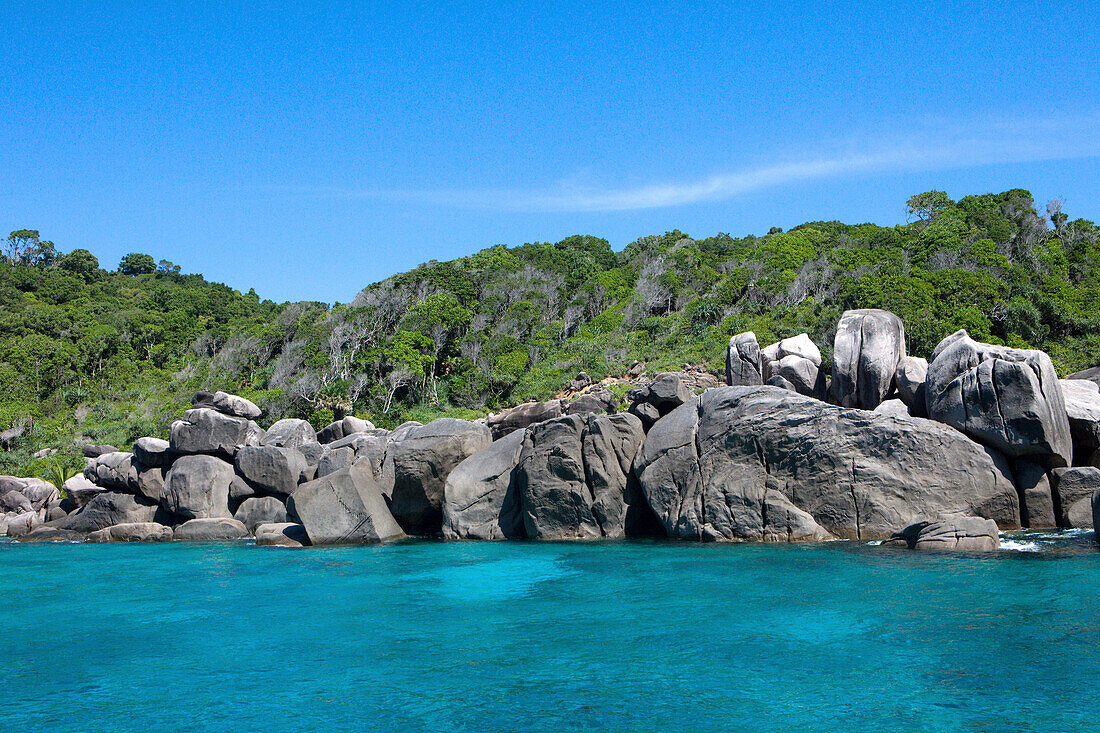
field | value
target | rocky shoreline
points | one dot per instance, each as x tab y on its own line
938	454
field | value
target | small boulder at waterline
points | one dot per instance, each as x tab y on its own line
133	532
952	533
283	534
212	529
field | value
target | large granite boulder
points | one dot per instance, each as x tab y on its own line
79	491
897	408
227	404
198	487
521	416
596	399
113	471
150	481
153	452
15	501
910	377
480	501
757	463
797	361
1073	490
422	458
94	451
743	368
205	430
1082	399
666	392
273	469
285	534
952	533
289	433
45	533
868	346
109	508
1092	374
1036	497
1009	399
132	532
211	529
338	429
260	510
345	507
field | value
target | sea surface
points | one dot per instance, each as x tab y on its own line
617	636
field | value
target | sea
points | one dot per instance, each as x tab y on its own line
527	636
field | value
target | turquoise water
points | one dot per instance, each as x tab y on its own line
435	636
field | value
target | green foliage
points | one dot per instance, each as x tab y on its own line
137	264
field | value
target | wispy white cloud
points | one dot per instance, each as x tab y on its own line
928	147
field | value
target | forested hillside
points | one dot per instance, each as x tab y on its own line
108	356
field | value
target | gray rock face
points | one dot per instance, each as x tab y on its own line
94	451
333	460
647	413
897	408
289	433
345	507
108	509
480	501
666	392
210	529
132	532
743	368
1036	498
1009	399
15	501
273	469
910	377
51	534
79	491
953	533
521	416
153	452
113	471
1096	512
285	535
422	460
598	399
198	487
343	428
150	482
801	374
205	430
1073	490
260	510
759	463
1093	375
21	525
1082	399
868	347
227	404
574	480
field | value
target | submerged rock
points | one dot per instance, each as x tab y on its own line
283	534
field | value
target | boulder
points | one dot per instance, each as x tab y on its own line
743	368
345	507
1036	498
952	533
609	444
1008	399
78	492
153	452
333	460
579	382
260	510
132	532
211	529
205	430
227	404
422	459
150	481
274	469
95	451
777	381
342	428
20	525
897	408
1096	513
283	534
239	490
109	508
757	463
647	413
521	416
801	374
868	347
197	487
43	533
598	399
1073	490
910	378
54	511
44	453
1082	398
113	471
480	501
15	501
666	392
1093	375
289	433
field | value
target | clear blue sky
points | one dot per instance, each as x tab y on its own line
309	152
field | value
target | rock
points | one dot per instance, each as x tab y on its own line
133	532
647	413
756	463
609	445
743	368
333	460
422	460
44	453
1009	399
868	346
51	534
227	404
15	501
635	370
260	510
595	400
897	408
345	507
801	346
284	534
1096	513
153	452
1082	398
1093	375
150	482
342	428
781	383
198	487
803	375
666	392
109	508
23	524
480	501
579	382
289	433
210	529
952	533
113	471
910	379
95	451
205	430
79	491
522	416
271	468
54	511
239	490
1073	490
1036	499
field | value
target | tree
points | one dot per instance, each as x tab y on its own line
79	262
19	244
137	264
928	205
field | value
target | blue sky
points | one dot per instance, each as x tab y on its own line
309	151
